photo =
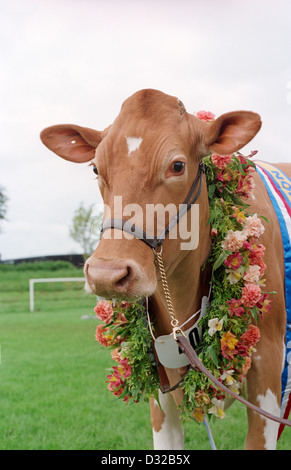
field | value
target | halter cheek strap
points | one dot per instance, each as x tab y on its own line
157	241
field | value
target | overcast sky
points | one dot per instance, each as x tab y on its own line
76	61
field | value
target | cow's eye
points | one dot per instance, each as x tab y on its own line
95	170
178	167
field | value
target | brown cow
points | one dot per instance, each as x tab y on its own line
151	154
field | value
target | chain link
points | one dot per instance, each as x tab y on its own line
174	320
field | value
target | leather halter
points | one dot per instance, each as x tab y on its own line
157	241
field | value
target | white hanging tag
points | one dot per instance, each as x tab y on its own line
167	348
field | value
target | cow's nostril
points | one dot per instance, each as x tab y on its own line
124	281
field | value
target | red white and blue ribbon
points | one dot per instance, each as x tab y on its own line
278	185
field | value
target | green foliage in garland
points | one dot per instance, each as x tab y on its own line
126	333
229	337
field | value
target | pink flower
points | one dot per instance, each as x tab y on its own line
205	116
262	266
104	311
253	227
101	336
243	159
253	274
221	161
116	381
126	368
120	319
251	294
123	370
246	186
115	354
235	307
234	261
264	304
251	336
247	246
256	253
105	337
234	240
213	232
224	176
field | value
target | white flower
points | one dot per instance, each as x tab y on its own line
253	274
230	381
227	376
214	325
253	227
233	276
234	240
234	387
218	408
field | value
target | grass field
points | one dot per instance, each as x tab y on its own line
52	375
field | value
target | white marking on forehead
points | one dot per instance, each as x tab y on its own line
133	144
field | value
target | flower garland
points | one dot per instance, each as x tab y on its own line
125	331
238	301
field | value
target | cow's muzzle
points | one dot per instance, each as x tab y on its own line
113	278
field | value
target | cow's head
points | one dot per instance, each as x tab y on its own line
149	155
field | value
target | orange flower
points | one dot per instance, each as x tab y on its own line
246	365
104	311
251	336
229	340
198	414
228	344
238	215
105	337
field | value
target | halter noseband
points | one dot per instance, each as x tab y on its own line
151	240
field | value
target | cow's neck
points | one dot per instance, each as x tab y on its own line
187	282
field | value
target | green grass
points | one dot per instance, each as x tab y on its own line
52	376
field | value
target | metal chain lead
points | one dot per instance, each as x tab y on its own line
174	320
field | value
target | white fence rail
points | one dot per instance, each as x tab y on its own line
51	279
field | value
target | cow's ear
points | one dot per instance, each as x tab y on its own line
230	132
71	142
